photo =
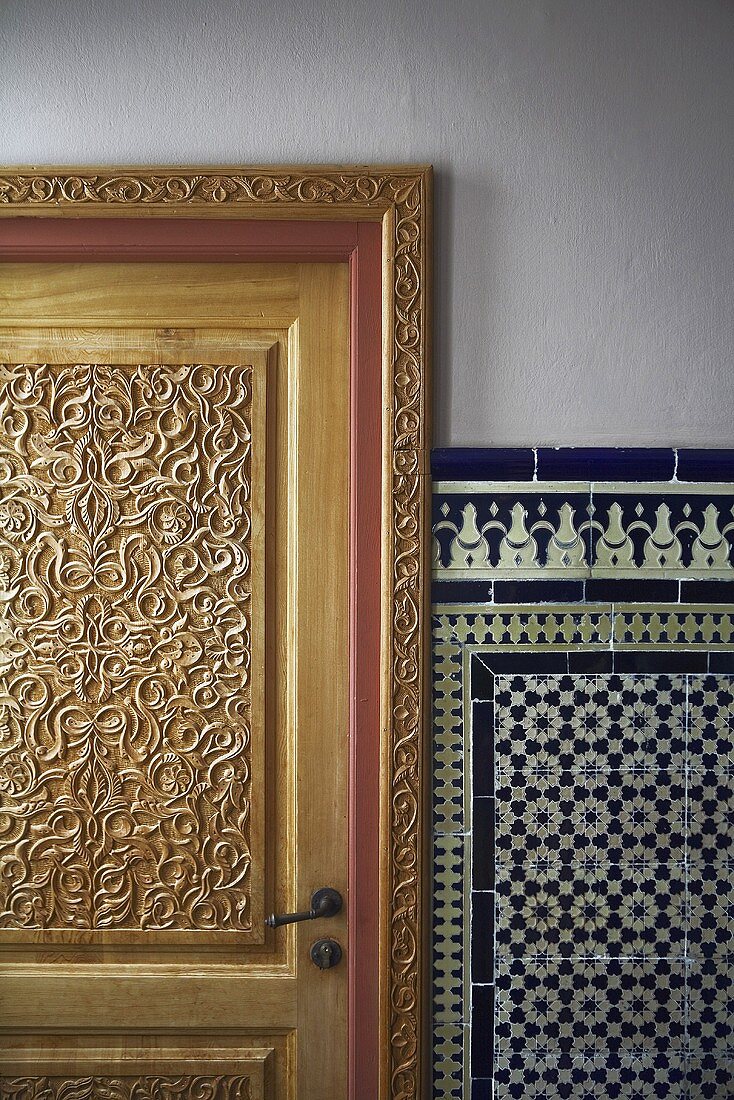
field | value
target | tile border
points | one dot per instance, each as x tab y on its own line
688	464
460	631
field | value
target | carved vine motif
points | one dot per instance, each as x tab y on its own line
408	642
188	189
171	1087
124	596
405	195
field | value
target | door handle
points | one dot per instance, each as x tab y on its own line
324	903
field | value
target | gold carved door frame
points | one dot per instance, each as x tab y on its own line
399	198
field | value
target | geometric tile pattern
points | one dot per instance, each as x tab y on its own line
566	1005
526	627
448	1060
450	925
542	1077
593	627
448	739
448	928
615	884
613	836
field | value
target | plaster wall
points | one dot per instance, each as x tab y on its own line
584	153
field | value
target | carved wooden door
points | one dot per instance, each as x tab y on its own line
173	679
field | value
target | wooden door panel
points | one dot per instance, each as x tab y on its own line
135	724
173	676
185	1069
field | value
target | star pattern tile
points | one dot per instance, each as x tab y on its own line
614	916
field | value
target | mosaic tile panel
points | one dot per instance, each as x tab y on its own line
542	1077
584	634
593	953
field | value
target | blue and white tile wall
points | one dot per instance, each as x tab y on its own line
583	642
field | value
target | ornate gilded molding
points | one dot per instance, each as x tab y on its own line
135	188
401	197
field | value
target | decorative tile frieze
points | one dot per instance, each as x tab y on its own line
524	627
486	530
500	535
589	626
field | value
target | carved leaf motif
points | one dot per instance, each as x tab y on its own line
170	1087
124	689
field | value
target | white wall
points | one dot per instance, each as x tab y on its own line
584	155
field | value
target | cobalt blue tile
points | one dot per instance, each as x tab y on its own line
482	1030
605	464
483	464
522	663
481	1088
631	591
482	936
711	592
479	592
482	748
721	662
538	591
482	677
705	465
681	661
483	843
580	661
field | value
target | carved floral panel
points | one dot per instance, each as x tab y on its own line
124	665
169	1087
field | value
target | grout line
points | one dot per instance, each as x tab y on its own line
495	907
592	534
687	865
467	701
